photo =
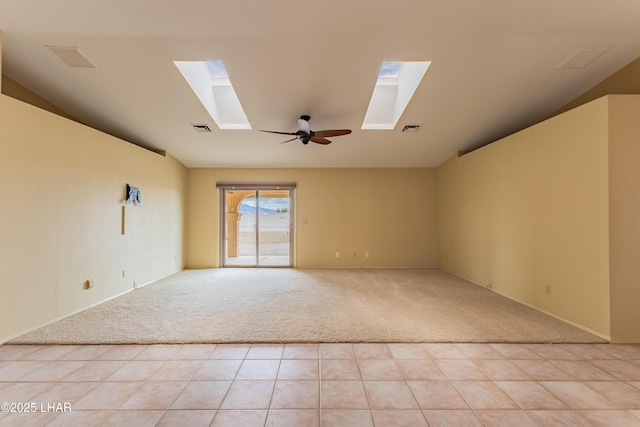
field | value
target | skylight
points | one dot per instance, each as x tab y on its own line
396	84
390	69
210	82
216	68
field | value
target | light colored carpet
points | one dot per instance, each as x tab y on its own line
289	305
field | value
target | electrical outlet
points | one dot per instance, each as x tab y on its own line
366	254
337	254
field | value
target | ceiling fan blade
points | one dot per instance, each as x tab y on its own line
280	133
332	132
319	140
289	140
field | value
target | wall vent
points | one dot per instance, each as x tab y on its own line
201	128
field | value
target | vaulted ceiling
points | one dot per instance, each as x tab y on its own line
495	70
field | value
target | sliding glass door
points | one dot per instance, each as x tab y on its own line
257	226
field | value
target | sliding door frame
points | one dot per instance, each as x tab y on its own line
223	188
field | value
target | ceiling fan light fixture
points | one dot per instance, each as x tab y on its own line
305	134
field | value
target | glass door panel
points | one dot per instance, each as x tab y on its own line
257	227
274	231
240	229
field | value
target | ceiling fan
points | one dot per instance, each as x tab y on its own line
305	134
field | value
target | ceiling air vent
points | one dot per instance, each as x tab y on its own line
72	56
411	128
202	128
582	57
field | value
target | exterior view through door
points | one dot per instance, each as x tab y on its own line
257	224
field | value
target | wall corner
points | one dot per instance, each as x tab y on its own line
624	217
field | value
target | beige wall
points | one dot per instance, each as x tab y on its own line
623	81
624	189
13	89
554	205
388	212
62	197
1	75
531	211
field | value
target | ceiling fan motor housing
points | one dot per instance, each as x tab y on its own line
304	132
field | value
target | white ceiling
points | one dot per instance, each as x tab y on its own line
492	70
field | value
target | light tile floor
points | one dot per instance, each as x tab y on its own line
321	385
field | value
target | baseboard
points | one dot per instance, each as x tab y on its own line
625	340
4	340
145	284
330	267
577	325
365	267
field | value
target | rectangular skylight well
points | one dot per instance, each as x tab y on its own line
396	84
211	84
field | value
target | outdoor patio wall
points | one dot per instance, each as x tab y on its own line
63	191
531	211
389	213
